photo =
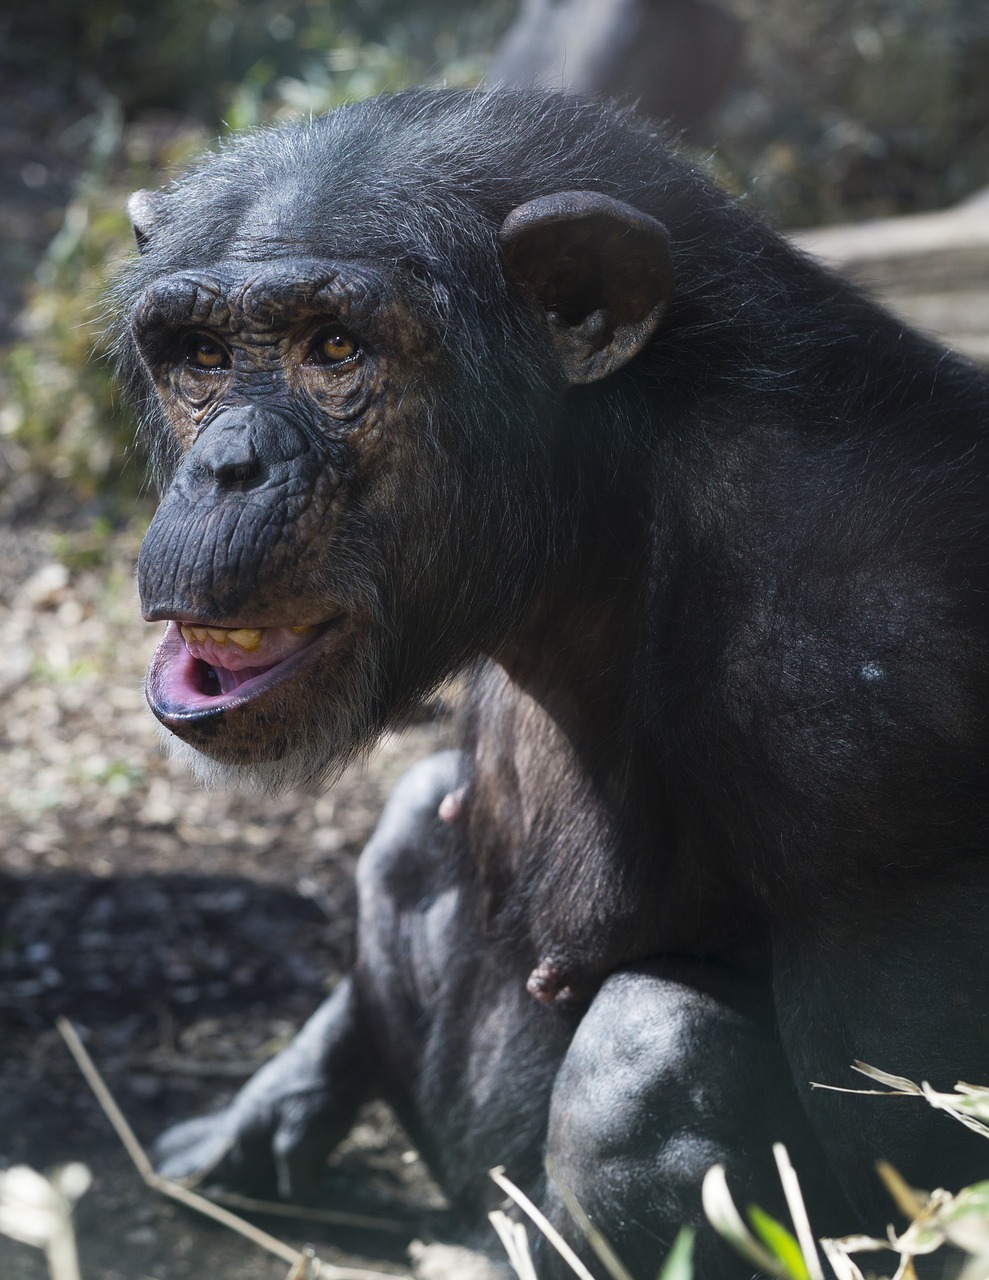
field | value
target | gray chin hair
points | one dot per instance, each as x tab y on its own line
325	748
270	777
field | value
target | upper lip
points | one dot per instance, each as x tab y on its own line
229	623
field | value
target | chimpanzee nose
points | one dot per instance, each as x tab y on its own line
227	453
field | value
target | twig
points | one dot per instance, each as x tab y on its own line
798	1211
192	1199
303	1269
542	1222
106	1100
304	1213
907	1200
614	1266
515	1242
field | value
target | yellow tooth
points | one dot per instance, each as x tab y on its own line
219	634
248	638
187	633
301	631
200	634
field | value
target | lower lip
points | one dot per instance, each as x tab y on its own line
175	678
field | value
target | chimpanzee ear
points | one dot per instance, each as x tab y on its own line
600	268
146	209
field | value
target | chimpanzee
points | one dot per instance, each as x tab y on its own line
495	381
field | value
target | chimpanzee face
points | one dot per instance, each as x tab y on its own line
279	382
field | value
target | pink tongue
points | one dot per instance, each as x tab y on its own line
268	646
230	681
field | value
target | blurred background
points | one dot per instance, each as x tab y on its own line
188	934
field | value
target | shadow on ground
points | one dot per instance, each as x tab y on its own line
181	985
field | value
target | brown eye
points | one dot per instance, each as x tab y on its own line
197	374
204	353
333	347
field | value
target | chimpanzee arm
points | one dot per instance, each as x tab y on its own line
278	1129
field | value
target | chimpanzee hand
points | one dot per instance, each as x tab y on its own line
275	1134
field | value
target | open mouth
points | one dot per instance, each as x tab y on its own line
200	670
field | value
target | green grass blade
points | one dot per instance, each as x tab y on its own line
781	1243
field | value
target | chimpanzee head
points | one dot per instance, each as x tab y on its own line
361	343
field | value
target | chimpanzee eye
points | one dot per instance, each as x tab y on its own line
197	374
333	346
203	353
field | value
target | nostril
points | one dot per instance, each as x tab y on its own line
237	472
229	460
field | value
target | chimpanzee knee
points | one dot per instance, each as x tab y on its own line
408	891
675	1067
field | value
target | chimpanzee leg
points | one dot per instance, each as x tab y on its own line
675	1067
277	1131
900	991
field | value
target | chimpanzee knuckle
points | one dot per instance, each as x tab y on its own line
300	1134
297	1171
184	1137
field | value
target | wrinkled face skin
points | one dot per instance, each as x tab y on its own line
274	549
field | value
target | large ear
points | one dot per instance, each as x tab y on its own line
600	268
146	210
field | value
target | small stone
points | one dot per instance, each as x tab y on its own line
44	589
